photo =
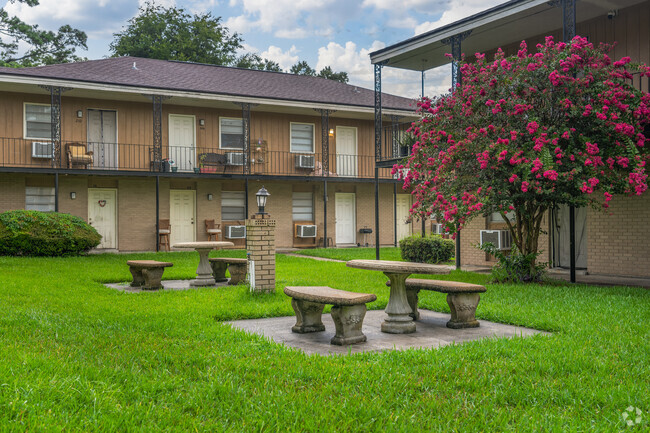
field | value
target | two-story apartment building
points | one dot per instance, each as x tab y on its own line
612	242
127	142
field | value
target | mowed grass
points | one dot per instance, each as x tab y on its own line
77	356
345	254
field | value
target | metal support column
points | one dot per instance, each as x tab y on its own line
56	192
457	248
325	213
246	197
456	55
378	125
157	132
55	116
377	212
395	213
246	120
572	242
325	139
157	213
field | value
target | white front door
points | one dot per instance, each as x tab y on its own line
102	215
102	138
403	202
181	216
345	219
182	141
346	151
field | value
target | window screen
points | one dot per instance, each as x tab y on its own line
495	217
232	133
233	205
38	121
302	137
303	206
39	198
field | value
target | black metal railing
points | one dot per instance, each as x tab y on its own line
76	155
397	143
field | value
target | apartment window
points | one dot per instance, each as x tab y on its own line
39	198
495	217
232	133
302	137
38	121
233	205
303	206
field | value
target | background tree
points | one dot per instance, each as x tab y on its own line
303	68
254	61
563	125
44	47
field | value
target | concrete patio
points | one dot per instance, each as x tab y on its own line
431	333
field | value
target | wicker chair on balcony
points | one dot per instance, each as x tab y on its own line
164	232
213	230
78	155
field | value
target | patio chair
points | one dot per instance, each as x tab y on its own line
212	229
164	232
78	154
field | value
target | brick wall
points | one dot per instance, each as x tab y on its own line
618	240
260	244
136	201
12	192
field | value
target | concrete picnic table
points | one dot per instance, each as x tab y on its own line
399	320
204	271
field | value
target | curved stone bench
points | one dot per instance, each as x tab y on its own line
463	298
237	268
348	311
147	274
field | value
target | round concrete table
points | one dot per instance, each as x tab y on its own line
204	271
399	320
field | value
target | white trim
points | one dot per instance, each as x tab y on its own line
455	29
117	225
354	216
140	91
243	134
356	150
313	137
196	226
25	137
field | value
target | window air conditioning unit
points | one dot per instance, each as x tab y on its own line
235	158
236	232
501	239
306	231
42	149
304	161
437	229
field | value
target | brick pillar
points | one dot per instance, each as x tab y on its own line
260	245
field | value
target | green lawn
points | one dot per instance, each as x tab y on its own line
345	254
77	356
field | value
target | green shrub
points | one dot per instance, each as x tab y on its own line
515	267
34	233
428	249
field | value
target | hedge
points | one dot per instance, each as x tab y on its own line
429	249
34	233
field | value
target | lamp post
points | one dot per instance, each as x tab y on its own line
261	197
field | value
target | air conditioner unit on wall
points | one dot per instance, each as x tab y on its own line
306	231
236	232
501	239
235	158
42	149
305	161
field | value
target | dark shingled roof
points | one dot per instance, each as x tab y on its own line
195	77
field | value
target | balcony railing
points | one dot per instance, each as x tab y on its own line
397	144
87	156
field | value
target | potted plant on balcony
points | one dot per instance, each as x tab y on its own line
202	167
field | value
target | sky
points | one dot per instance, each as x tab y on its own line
336	33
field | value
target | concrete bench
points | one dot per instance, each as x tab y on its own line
348	312
237	268
463	298
147	273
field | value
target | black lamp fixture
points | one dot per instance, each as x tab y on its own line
261	197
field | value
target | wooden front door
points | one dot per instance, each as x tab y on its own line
102	138
402	213
345	219
102	215
182	141
182	215
346	151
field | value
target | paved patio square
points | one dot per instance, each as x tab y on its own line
431	332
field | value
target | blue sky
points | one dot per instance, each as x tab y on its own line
336	33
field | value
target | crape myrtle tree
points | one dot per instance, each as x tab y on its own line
561	125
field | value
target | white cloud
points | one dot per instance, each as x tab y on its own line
296	33
417	5
47	10
456	10
285	59
164	3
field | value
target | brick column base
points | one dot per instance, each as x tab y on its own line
260	245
